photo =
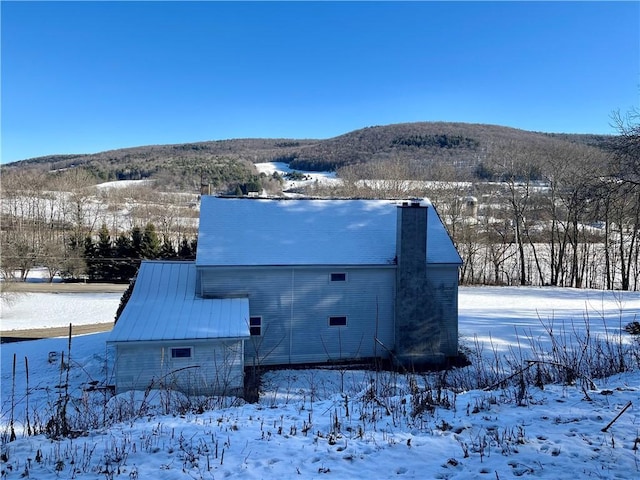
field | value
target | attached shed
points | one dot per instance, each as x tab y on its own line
169	337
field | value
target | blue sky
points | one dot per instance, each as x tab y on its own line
83	77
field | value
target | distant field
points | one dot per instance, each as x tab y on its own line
91	310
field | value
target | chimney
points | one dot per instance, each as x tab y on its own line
411	236
416	329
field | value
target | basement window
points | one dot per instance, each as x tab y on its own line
339	277
181	352
255	326
338	321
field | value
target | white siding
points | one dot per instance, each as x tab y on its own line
295	304
215	368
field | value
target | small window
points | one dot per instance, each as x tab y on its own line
338	321
181	352
339	277
255	326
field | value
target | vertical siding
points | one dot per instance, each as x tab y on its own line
136	367
215	368
295	305
442	281
366	299
269	295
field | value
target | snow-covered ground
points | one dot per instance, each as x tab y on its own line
43	310
120	184
336	424
269	168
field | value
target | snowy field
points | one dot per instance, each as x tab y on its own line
43	310
23	311
121	184
333	424
269	168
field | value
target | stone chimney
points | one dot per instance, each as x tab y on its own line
416	329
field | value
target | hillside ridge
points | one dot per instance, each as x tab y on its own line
258	143
465	146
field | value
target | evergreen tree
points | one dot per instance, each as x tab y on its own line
125	299
104	255
126	263
136	242
167	250
90	257
150	247
185	252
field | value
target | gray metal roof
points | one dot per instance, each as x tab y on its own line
236	232
164	306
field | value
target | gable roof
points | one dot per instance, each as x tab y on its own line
238	231
164	306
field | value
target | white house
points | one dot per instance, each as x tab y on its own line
279	282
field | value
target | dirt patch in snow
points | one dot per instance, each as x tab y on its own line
58	287
38	333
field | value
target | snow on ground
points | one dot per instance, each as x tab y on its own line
118	184
37	275
507	318
42	310
318	423
269	168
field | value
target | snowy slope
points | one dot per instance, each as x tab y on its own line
346	424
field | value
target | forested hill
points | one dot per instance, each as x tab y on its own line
465	146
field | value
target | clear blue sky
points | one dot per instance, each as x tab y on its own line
84	77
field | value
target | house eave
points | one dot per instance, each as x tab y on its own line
299	266
167	341
320	266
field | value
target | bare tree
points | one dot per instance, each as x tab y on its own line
24	222
626	146
518	170
625	172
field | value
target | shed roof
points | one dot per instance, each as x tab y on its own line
164	306
236	231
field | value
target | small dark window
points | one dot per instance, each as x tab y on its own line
255	326
340	321
181	352
339	277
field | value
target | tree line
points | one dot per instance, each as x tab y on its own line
548	212
107	260
545	213
63	222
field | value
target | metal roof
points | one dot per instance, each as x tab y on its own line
164	306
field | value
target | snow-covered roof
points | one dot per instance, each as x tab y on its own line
237	231
164	306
